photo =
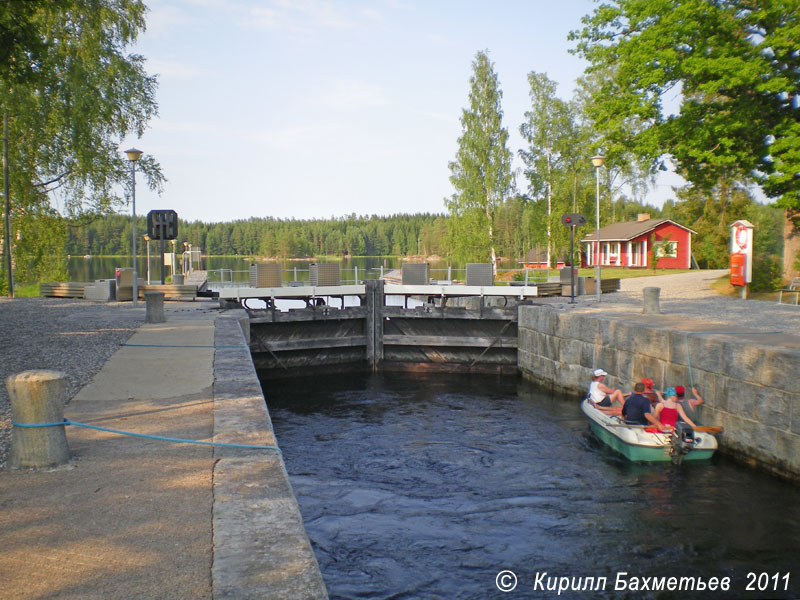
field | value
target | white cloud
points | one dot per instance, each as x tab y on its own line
172	69
349	94
298	16
163	18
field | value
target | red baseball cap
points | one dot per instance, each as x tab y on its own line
680	390
647	382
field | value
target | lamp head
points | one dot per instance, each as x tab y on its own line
146	238
598	160
133	154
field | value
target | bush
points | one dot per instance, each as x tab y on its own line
766	274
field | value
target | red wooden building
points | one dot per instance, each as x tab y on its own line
638	243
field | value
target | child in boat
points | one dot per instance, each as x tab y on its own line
649	393
668	411
602	396
689	404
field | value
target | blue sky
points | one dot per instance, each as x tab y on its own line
315	108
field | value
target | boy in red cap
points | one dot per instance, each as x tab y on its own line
649	392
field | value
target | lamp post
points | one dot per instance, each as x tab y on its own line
597	162
147	242
134	155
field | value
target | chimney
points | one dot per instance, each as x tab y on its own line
642	217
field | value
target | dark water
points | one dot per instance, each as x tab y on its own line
429	486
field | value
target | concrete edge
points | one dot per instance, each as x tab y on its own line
260	545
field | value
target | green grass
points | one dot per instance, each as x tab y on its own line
27	291
723	287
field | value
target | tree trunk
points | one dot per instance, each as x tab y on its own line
549	203
489	212
791	243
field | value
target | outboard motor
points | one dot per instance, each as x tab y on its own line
682	441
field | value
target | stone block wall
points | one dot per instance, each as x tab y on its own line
750	388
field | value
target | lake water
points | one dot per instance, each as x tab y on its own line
430	486
237	269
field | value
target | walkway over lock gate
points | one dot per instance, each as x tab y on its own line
436	335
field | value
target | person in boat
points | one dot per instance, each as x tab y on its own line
602	396
668	411
637	409
689	405
649	392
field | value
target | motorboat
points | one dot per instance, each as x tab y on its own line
643	443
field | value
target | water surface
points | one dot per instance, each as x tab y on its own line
429	486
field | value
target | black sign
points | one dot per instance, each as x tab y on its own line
162	224
573	219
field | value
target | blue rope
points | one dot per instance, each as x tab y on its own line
183	346
147	436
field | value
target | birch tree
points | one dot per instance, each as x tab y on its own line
548	131
71	92
481	173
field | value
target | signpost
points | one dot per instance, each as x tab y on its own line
162	225
572	220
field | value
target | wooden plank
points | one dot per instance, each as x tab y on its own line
511	291
318	313
287	292
171	291
493	313
307	343
62	289
444	340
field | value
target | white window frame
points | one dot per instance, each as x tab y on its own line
666	249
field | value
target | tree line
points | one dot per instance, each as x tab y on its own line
396	235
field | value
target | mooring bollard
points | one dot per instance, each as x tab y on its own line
154	312
651	300
38	397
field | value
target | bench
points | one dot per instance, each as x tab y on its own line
172	291
548	289
794	288
62	289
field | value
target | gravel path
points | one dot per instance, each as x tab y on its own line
690	294
72	336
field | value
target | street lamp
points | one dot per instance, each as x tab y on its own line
597	162
134	155
147	242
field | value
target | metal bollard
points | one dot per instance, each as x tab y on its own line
651	300
38	397
155	307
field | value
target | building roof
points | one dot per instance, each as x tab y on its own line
623	232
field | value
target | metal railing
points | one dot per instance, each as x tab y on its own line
227	278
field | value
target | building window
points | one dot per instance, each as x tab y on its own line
666	249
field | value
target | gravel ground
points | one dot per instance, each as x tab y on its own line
690	294
72	336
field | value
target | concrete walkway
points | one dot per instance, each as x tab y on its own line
141	518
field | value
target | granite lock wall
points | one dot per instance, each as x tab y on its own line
747	379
